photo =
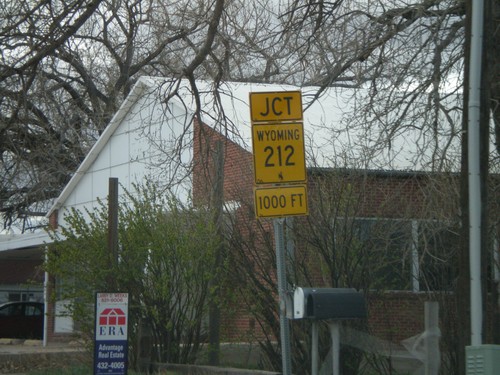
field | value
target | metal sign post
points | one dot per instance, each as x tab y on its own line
282	287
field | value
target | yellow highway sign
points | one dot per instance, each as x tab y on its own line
276	106
287	200
278	152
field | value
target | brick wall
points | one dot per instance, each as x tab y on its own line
238	172
396	316
53	219
389	194
392	316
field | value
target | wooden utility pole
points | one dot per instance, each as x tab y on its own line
112	227
217	203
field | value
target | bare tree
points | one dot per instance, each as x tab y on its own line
65	68
64	76
65	71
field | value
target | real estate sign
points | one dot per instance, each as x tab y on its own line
111	334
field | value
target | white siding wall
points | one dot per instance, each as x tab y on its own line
141	147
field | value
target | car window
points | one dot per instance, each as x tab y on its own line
12	310
33	310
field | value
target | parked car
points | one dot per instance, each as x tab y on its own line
22	320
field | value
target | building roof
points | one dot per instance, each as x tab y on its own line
27	241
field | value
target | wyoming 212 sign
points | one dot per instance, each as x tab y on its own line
111	335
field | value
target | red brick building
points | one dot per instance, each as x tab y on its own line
398	207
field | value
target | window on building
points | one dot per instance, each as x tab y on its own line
437	247
417	255
386	243
14	297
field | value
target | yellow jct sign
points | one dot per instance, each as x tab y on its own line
276	106
278	151
281	201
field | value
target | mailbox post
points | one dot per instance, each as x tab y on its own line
332	304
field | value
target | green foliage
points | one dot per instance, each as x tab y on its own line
166	264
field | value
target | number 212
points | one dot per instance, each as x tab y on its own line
270	151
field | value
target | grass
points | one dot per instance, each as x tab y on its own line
76	370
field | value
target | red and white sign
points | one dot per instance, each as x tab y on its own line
112	316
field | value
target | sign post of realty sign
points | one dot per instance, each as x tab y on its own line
111	344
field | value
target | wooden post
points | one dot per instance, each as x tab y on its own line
112	227
218	203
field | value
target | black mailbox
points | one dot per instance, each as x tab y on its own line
334	303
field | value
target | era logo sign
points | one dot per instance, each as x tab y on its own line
112	317
112	322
